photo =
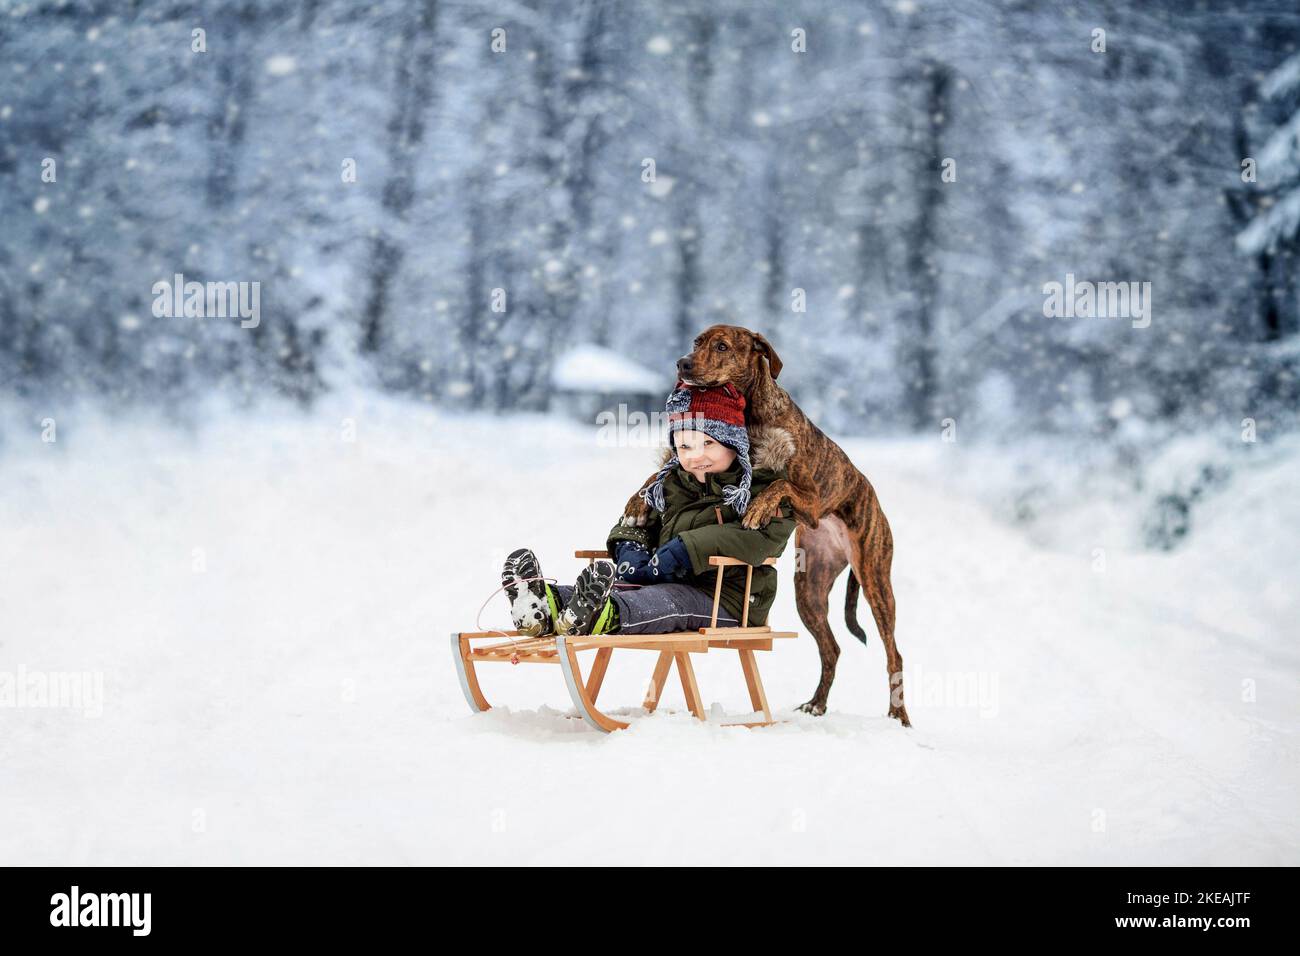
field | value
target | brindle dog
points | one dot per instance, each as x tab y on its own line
841	522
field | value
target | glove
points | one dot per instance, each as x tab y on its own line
630	558
670	562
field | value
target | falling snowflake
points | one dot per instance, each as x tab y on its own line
662	186
281	65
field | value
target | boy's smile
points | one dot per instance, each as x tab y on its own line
702	455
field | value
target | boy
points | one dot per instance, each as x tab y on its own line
662	580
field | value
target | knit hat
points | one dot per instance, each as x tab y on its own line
719	412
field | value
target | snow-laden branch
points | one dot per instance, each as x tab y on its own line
1279	223
1283	79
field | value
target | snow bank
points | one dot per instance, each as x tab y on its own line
595	368
268	599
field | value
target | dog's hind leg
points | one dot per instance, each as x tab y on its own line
873	556
822	555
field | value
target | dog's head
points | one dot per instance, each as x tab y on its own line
728	353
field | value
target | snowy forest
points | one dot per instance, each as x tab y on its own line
628	173
284	288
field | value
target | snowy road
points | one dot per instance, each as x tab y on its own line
269	607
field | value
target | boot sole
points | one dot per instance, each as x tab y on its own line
590	591
529	609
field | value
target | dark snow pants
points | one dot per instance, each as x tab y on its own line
659	608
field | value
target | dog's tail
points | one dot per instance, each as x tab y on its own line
851	608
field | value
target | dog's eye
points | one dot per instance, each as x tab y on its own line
722	346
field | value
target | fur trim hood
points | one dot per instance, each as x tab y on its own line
770	447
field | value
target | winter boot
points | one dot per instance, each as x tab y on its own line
533	603
589	604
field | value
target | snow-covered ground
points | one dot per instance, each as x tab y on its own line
269	605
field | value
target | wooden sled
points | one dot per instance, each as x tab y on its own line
673	648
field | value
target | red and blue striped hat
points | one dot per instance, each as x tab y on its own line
719	412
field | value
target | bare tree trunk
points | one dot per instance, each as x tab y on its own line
412	89
687	227
568	169
227	123
920	367
477	305
774	291
685	206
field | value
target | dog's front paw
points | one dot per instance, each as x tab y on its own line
636	513
816	708
758	515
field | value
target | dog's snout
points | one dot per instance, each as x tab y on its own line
684	364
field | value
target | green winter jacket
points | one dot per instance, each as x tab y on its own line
691	513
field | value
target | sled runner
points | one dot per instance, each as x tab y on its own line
674	648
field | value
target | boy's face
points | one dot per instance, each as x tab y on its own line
701	454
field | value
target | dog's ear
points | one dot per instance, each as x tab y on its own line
764	347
